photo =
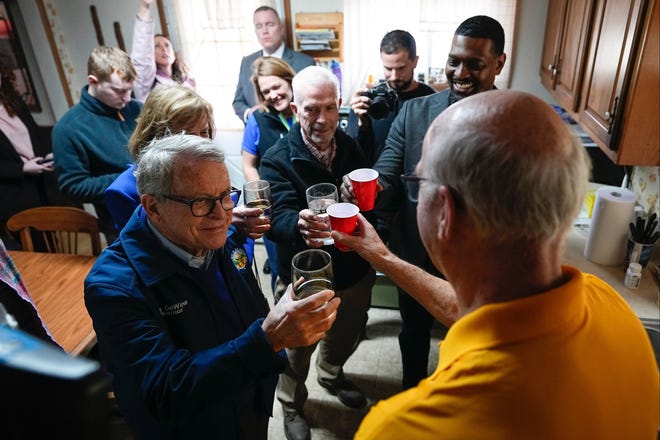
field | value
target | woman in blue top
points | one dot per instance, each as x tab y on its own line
272	83
272	78
171	109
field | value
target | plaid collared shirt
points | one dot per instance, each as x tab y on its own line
325	157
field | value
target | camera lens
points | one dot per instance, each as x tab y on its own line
379	108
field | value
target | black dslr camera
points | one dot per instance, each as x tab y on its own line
383	100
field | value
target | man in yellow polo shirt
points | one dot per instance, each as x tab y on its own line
536	350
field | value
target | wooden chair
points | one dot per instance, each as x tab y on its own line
59	226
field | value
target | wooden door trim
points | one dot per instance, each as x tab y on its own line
56	55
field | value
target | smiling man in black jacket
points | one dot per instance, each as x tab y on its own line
316	151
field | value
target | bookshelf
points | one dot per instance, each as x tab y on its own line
320	35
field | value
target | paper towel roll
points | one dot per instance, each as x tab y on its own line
613	211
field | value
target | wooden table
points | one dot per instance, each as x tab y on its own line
56	284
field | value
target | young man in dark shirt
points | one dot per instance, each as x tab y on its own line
398	51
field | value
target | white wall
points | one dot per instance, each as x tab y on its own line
315	6
528	46
41	64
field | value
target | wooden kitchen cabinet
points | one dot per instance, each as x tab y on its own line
564	49
613	86
621	88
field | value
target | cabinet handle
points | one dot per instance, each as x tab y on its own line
609	116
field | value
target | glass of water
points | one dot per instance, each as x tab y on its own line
256	194
311	272
319	197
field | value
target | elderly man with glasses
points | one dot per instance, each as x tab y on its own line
181	322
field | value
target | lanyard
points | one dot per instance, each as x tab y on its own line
285	122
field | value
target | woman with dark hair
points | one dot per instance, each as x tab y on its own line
24	156
153	57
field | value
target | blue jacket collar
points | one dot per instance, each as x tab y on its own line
153	263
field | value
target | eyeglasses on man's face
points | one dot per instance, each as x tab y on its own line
411	182
203	206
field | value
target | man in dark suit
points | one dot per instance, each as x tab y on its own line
270	33
476	57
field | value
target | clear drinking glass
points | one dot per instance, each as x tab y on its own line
256	194
315	267
319	197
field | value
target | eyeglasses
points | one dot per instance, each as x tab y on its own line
411	182
203	206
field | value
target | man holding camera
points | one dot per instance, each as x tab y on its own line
373	110
476	57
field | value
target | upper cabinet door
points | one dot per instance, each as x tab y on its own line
562	62
600	62
552	43
613	40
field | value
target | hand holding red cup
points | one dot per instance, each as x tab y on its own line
364	182
343	217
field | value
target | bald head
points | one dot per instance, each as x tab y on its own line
516	167
510	116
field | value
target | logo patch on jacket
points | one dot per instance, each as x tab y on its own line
239	258
172	309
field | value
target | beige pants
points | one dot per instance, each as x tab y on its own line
334	349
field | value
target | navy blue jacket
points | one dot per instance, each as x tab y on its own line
271	130
186	362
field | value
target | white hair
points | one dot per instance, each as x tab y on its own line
155	165
511	186
313	76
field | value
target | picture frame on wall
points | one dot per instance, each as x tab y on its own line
13	56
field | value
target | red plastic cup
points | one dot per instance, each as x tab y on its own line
364	181
343	218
